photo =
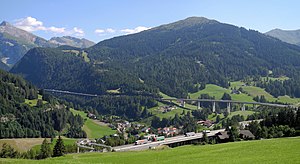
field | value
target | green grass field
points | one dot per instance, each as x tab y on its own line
158	113
67	141
217	92
243	113
256	91
283	150
165	96
34	101
22	144
252	91
92	128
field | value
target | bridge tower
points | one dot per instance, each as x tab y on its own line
228	107
214	107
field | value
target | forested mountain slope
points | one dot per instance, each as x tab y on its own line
176	58
19	119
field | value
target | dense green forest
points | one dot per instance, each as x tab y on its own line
47	118
175	59
133	108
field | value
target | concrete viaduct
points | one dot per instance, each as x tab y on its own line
229	102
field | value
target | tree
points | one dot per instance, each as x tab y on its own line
39	103
233	134
218	119
205	138
226	96
59	148
8	151
45	150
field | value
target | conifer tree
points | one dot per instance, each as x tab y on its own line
59	148
45	150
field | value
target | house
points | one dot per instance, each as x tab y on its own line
91	116
146	130
166	109
223	136
167	131
246	135
207	123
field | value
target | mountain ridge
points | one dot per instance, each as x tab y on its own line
289	36
15	42
176	61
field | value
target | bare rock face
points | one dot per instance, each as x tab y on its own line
71	41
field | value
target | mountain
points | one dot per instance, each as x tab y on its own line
71	41
15	42
289	36
175	58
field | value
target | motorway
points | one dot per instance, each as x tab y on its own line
71	93
181	138
177	99
228	101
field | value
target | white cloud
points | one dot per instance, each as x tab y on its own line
32	24
105	31
99	31
135	30
57	30
110	30
78	31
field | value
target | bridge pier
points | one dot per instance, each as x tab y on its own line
182	103
214	107
199	105
243	107
228	107
254	106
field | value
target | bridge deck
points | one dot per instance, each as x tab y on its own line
228	101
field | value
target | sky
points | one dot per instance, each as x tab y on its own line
98	20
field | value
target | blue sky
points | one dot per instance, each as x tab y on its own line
97	20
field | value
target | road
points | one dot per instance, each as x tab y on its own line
228	101
132	147
71	93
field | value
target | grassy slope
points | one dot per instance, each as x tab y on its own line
93	129
217	92
22	144
256	91
34	101
243	113
67	141
155	111
284	150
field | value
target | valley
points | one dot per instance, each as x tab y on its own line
188	91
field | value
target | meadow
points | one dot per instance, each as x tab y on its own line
282	150
93	128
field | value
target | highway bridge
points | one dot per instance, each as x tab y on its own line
69	92
182	101
167	141
229	102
